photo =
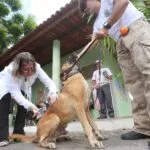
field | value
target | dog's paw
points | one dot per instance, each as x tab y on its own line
52	145
96	144
100	145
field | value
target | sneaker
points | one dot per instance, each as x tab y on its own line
133	136
4	143
111	115
102	116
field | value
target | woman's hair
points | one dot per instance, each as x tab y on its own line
19	60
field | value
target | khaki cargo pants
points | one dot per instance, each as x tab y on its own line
133	51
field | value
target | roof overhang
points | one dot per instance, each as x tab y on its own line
66	25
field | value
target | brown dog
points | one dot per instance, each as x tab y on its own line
72	103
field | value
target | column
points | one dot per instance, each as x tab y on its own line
56	63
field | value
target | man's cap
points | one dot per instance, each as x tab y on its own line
98	61
82	4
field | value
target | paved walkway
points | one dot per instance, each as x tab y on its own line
112	128
103	124
79	142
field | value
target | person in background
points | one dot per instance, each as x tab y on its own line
16	81
101	82
129	28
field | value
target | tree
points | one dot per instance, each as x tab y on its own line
29	24
144	6
13	25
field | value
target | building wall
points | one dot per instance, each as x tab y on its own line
121	100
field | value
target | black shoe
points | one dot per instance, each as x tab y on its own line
133	136
111	115
20	131
102	116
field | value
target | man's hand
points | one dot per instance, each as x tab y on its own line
52	98
95	85
103	32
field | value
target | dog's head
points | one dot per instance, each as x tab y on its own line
68	70
67	67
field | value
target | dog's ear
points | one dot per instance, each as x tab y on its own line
64	69
62	76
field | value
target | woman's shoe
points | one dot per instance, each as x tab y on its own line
4	143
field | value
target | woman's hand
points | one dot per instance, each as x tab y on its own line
52	98
34	109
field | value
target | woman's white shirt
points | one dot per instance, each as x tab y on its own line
14	85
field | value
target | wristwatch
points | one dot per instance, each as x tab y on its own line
107	25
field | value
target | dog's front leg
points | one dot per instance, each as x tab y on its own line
88	130
94	126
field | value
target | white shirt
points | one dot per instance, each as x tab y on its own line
100	78
129	16
14	85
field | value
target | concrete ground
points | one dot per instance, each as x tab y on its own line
112	128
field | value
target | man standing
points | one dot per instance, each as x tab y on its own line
133	52
101	82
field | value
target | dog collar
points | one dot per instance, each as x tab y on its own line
74	71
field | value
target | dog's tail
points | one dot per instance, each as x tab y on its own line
23	138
